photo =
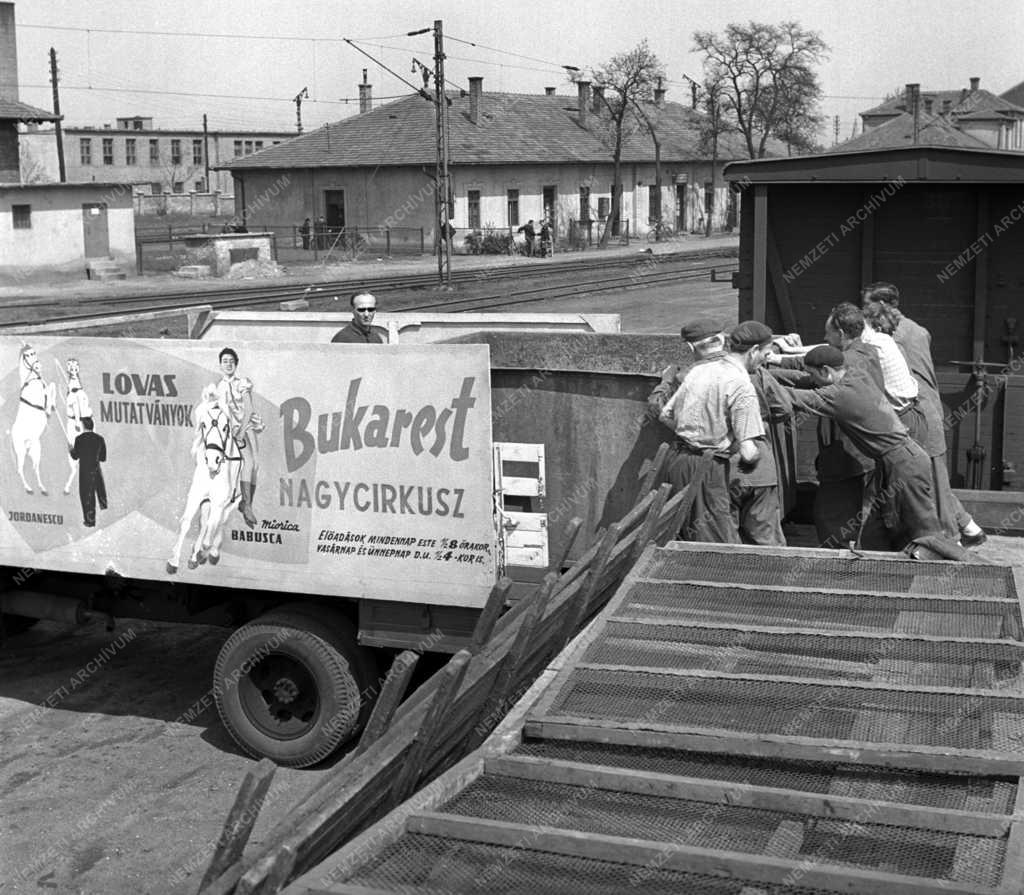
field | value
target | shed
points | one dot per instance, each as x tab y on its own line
944	225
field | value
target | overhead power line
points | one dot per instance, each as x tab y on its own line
269	99
204	34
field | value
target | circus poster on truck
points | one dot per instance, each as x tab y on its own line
359	471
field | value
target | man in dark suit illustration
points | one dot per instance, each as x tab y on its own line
90	450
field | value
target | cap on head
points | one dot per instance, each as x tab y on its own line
699	330
823	356
749	334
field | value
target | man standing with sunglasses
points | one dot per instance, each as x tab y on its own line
360	330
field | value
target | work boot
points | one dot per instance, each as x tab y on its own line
245	504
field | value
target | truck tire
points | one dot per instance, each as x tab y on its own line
288	686
16	624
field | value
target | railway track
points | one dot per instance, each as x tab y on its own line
649	270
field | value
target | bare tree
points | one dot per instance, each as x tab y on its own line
767	79
623	83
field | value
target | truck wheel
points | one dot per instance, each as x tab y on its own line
16	624
287	686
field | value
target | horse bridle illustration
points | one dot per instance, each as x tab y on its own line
33	375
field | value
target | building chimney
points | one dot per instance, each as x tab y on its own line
912	99
598	104
975	83
549	91
365	95
476	90
659	94
8	54
583	88
928	102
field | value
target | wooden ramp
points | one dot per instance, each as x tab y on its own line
742	720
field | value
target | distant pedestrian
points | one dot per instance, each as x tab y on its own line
304	232
530	233
90	450
320	233
545	238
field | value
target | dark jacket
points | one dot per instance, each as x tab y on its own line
358	335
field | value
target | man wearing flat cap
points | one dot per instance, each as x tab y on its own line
755	491
715	414
902	479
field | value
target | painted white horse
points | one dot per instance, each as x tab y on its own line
214	492
78	407
36	401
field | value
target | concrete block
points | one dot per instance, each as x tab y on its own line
194	271
294	304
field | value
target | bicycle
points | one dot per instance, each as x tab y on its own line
660	231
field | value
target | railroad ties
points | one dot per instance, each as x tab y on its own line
742	720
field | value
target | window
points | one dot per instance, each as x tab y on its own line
175	152
248	146
108	150
259	145
178	186
604	206
22	215
584	203
513	207
276	142
154	152
85	150
197	152
129	151
473	199
156	188
238	148
136	125
653	204
200	185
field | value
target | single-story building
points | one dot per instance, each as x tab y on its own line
513	157
64	226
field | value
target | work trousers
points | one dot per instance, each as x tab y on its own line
90	489
903	478
710	517
841	514
952	515
757	515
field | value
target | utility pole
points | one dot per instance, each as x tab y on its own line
303	93
442	204
835	129
56	111
206	153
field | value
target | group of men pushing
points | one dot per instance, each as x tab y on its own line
881	464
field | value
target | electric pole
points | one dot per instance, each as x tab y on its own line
206	153
835	127
304	92
56	111
443	201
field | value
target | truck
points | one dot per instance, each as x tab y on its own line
329	505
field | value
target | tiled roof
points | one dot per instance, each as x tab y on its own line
1015	94
513	129
934	130
18	111
962	103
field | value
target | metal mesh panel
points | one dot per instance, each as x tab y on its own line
430	865
861	843
862	575
960	792
835	612
896	661
791	709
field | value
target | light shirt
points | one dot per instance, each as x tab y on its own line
716	406
900	385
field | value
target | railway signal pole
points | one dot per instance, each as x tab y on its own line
443	200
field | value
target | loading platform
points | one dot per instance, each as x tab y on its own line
741	720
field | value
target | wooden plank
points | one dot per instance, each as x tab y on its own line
240	820
647	530
578	611
675	856
760	260
519	486
743	795
572	531
1013	859
521	451
967	648
652	470
664	736
779	285
393	690
489	615
876	687
412	769
280	873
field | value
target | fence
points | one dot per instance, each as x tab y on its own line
450	714
215	204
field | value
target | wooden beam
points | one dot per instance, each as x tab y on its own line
1013	859
686	858
760	261
779	285
489	615
650	524
391	694
744	795
652	470
691	739
980	323
240	820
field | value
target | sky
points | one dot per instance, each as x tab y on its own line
242	63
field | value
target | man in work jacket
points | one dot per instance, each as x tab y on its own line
916	344
853	400
714	414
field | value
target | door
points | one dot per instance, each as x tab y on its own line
519	488
334	208
94	230
681	206
550	197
